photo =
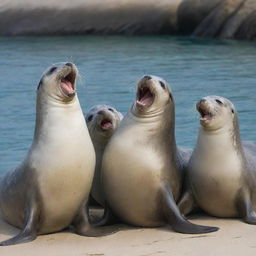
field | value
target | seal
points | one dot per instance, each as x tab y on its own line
48	191
142	167
102	121
222	169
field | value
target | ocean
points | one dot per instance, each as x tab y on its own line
110	67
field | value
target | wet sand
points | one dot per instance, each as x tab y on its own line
233	238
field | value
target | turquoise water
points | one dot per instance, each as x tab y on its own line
109	68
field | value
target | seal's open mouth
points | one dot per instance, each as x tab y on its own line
67	83
206	115
145	96
106	124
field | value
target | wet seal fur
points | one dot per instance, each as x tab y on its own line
142	166
102	121
222	169
48	191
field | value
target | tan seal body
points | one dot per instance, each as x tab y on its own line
48	191
222	170
142	167
102	121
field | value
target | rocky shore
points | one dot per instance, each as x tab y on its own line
228	19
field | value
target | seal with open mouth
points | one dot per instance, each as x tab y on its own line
142	166
222	169
102	121
48	191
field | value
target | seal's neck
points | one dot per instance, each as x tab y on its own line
225	139
100	142
157	125
53	117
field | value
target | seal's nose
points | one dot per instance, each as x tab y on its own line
69	64
147	78
202	101
101	112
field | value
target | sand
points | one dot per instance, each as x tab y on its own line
233	238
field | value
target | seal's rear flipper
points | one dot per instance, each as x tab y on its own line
244	206
29	233
176	220
23	237
187	203
109	218
83	226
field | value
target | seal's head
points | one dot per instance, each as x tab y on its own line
102	120
216	112
153	94
59	82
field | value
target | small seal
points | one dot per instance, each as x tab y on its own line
222	169
48	191
142	166
102	121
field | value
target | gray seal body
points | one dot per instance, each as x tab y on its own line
222	169
102	121
48	191
142	166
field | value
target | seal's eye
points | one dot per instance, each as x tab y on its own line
52	69
219	102
110	109
89	118
232	110
162	84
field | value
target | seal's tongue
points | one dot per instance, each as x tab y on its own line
205	117
106	125
146	98
204	111
67	87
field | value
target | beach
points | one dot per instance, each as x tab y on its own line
233	238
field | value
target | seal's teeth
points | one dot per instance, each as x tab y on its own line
140	103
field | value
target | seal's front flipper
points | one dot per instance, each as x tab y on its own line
245	209
83	226
29	233
175	219
251	218
187	203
